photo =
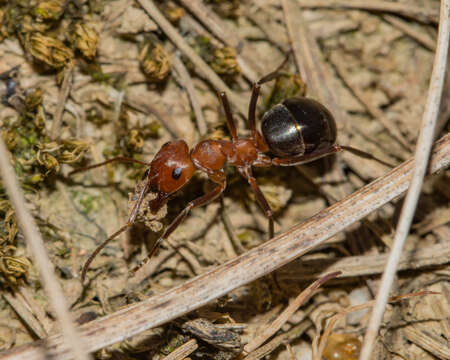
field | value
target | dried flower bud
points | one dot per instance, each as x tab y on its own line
155	62
50	51
135	140
86	38
286	86
172	11
72	151
12	267
46	156
224	62
49	10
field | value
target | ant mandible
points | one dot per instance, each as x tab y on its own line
296	131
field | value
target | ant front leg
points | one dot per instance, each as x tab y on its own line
201	201
129	223
228	115
246	172
116	159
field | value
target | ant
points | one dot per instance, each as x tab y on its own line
296	131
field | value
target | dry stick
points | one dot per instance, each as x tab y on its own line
421	37
26	315
424	145
287	313
290	335
73	345
254	264
409	11
189	86
223	32
363	265
62	98
182	351
200	66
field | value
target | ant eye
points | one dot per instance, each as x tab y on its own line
145	174
176	173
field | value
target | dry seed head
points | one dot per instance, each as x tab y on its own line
155	62
72	150
86	38
173	12
50	51
49	10
224	62
135	140
12	267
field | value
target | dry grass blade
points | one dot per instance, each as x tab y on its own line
72	342
423	149
62	98
287	313
255	263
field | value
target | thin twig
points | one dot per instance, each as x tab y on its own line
254	264
200	66
420	36
62	98
421	157
287	313
189	86
26	315
290	335
418	13
73	343
363	265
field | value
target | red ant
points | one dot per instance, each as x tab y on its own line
296	131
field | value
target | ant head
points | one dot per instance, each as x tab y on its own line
170	170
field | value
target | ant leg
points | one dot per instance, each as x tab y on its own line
228	115
116	159
255	94
247	173
303	159
129	223
365	155
203	200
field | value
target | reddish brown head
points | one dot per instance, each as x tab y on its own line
170	170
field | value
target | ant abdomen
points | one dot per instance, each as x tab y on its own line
298	126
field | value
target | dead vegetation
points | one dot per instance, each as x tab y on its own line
82	81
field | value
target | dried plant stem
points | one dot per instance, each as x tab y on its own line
409	11
420	36
423	149
186	81
251	265
287	313
183	351
72	342
62	98
363	265
200	66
